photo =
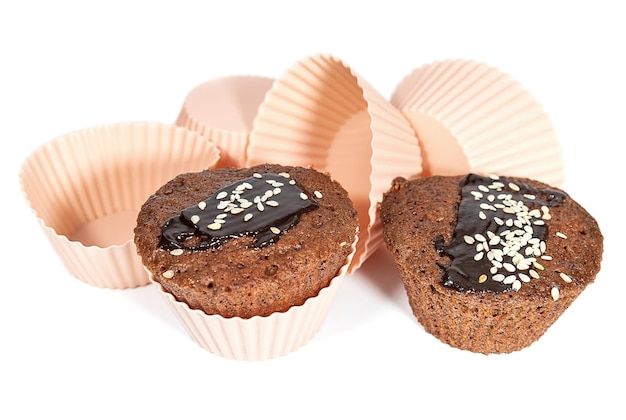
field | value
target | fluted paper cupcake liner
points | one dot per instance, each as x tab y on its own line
222	110
86	187
471	117
258	338
321	113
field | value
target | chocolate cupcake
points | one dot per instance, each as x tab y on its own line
489	263
243	243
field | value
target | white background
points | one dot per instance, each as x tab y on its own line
69	350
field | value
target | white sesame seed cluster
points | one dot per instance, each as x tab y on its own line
242	208
234	203
239	201
514	249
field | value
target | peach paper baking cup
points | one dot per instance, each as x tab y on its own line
323	114
258	338
86	188
470	117
222	110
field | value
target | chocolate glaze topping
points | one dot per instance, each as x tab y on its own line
263	206
500	234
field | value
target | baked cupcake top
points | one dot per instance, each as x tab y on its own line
494	234
246	241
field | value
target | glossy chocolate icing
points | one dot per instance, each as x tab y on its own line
263	206
500	234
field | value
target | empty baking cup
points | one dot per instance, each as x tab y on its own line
222	110
86	188
470	117
258	338
322	114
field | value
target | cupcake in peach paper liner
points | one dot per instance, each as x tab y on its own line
323	114
86	187
222	110
471	117
249	259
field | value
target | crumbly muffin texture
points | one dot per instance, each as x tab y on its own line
493	275
237	276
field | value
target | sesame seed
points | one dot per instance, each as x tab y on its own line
482	278
304	196
561	235
509	279
177	251
215	226
554	292
514	186
260	206
275	230
247	217
565	277
469	240
194	219
221	195
284	175
257	175
168	274
237	210
478	256
509	267
272	203
516	285
317	194
202	205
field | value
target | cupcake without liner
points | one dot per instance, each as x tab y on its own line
222	110
260	337
323	114
86	187
471	117
251	257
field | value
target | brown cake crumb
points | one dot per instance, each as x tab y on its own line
479	290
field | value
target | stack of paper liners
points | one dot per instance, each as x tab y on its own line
321	113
